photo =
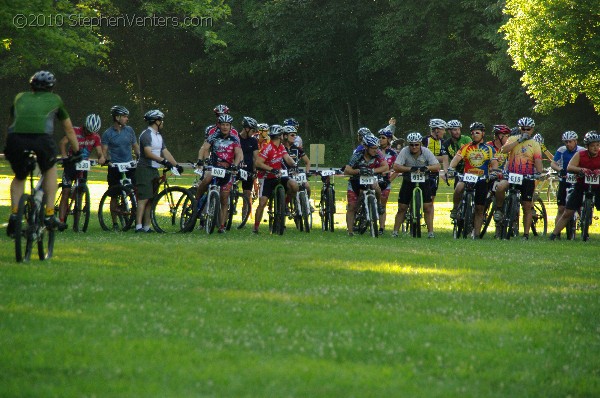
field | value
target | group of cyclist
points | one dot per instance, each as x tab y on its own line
264	152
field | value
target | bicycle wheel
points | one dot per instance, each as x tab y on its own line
22	248
360	218
44	236
305	212
512	221
70	203
125	205
539	219
244	214
168	212
330	208
81	209
232	206
373	215
468	220
279	222
586	218
571	228
459	221
488	215
416	216
213	209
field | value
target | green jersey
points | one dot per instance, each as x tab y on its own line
35	112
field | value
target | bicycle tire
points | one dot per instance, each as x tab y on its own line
168	212
126	205
330	209
360	218
81	209
539	219
213	210
586	218
305	210
469	215
458	221
232	202
44	235
417	215
246	210
513	218
488	215
21	228
59	199
373	216
571	227
279	209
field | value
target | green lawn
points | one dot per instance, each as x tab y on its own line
319	314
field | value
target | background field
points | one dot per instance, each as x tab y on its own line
319	314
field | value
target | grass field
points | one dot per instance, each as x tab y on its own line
319	314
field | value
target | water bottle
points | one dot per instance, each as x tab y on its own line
38	196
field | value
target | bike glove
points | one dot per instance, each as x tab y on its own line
414	168
166	163
451	172
76	157
179	169
200	163
423	169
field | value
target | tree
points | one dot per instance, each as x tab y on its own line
556	44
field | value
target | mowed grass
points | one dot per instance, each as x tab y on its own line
319	314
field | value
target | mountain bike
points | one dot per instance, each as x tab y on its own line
490	206
168	212
300	207
29	222
237	197
77	201
277	207
367	214
539	216
587	208
465	214
119	203
509	225
327	204
574	223
415	214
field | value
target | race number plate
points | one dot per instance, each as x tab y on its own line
516	179
417	177
243	175
495	186
84	165
571	178
301	177
368	180
198	171
218	172
470	178
123	167
284	173
592	180
327	173
175	171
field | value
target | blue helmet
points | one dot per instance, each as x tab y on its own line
370	140
291	122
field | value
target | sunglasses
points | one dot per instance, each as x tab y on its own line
476	132
525	128
292	135
414	144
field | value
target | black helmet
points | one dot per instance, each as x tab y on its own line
42	80
119	110
250	123
477	126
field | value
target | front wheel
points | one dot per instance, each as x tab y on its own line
44	236
279	210
539	218
586	218
373	216
417	206
213	210
488	215
458	221
81	209
305	210
124	204
469	216
171	210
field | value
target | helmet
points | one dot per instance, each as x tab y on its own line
591	136
288	129
225	118
291	122
370	140
515	131
220	109
93	123
569	135
275	130
437	124
526	122
250	123
154	115
454	124
207	130
501	129
262	126
119	110
414	137
538	138
42	80
387	133
363	131
477	126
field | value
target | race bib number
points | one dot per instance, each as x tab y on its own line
244	175
327	173
516	179
592	180
284	173
198	171
300	177
175	171
571	178
84	165
218	172
123	167
417	177
368	180
470	178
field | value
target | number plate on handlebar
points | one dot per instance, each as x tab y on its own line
516	179
300	177
123	167
592	180
218	172
327	173
417	177
284	173
368	180
470	178
84	165
243	174
571	178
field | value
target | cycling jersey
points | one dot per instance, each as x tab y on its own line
119	144
87	143
390	156
500	157
587	162
249	145
34	112
424	158
357	160
451	147
153	139
222	147
273	157
563	156
477	158
435	146
215	128
295	152
521	160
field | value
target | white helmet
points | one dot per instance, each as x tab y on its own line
437	124
454	124
526	122
569	135
93	123
538	138
414	137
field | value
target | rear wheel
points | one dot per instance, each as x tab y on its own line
488	215
571	228
305	212
169	212
458	221
416	216
279	224
245	210
512	220
539	219
125	205
373	216
213	209
330	209
44	236
22	252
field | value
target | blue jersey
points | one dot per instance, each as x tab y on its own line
120	144
563	156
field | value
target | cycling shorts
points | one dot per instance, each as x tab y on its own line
70	174
267	185
561	192
481	191
527	189
42	144
575	198
406	190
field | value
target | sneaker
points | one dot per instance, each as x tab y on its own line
149	231
116	227
380	231
395	234
453	214
552	237
10	228
498	215
525	237
430	235
138	230
52	222
221	230
255	231
380	208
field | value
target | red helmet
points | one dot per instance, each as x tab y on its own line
501	129
221	110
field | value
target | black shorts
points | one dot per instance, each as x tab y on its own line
481	191
269	184
70	174
527	189
406	189
248	184
561	192
114	176
42	144
575	198
435	182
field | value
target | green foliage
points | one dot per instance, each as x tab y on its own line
555	43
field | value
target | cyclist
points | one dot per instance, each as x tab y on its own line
415	157
360	135
294	123
269	164
88	139
263	135
585	162
219	110
221	149
118	143
296	153
525	158
501	134
538	137
385	182
153	154
32	117
561	160
368	157
478	158
249	145
434	144
452	145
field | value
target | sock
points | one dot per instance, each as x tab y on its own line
15	209
147	228
256	224
138	226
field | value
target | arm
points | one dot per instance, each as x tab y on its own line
255	157
350	171
239	156
166	154
455	161
573	166
401	168
100	153
136	149
554	166
62	145
105	151
382	169
306	163
204	151
70	134
289	160
539	167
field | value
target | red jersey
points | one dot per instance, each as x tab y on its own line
87	143
587	162
273	157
